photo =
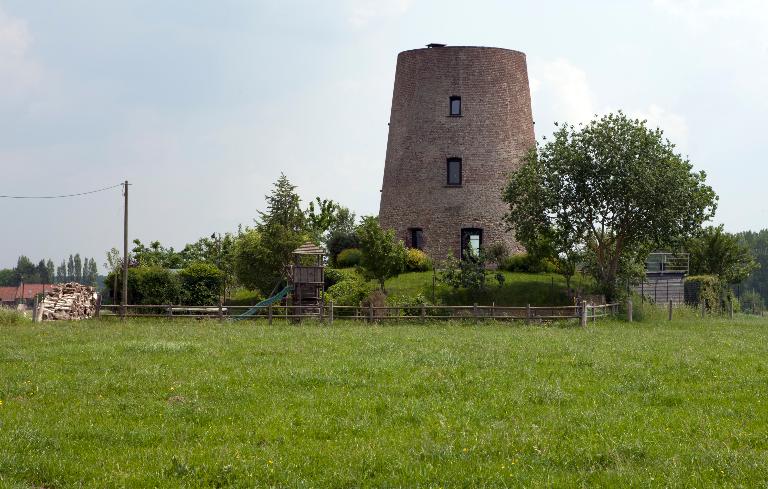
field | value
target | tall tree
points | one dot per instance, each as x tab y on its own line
71	269
78	270
42	273
50	269
61	272
613	189
25	270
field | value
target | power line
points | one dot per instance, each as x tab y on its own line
58	196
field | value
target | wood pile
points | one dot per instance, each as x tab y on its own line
68	302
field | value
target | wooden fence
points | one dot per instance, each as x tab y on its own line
329	312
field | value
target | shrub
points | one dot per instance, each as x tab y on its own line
752	302
153	285
202	284
497	253
336	275
349	292
349	258
519	262
340	241
706	288
411	305
417	261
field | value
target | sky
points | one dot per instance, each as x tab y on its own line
201	105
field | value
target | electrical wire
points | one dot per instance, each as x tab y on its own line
58	196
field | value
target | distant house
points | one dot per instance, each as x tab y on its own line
24	293
8	296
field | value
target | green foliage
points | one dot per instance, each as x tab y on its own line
757	242
752	302
283	208
10	317
417	261
706	288
146	285
496	253
408	305
613	189
715	252
383	255
202	284
349	292
7	277
339	241
155	255
349	258
469	273
520	262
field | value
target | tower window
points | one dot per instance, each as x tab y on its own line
417	238
471	241
454	105
454	171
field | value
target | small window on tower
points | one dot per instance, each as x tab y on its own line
455	105
454	171
417	238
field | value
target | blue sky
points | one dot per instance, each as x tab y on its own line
201	105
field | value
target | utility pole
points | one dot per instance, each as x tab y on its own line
125	252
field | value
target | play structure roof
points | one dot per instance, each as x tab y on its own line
309	249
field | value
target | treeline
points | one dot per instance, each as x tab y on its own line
75	269
255	257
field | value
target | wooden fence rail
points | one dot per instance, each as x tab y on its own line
329	312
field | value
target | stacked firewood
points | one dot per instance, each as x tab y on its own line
68	302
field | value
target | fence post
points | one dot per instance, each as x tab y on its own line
269	314
221	312
423	312
528	313
730	308
330	312
370	312
629	310
34	311
322	309
98	306
670	309
493	310
474	309
583	314
169	311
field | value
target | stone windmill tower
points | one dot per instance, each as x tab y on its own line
460	124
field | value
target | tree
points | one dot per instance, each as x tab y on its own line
263	256
50	270
25	270
70	269
61	273
42	273
78	270
113	264
321	215
156	255
613	189
383	255
715	252
7	277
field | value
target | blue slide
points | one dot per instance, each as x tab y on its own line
265	303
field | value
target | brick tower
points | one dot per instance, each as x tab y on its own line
460	123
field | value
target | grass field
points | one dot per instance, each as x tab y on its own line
169	404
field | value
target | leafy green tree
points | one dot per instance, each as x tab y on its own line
383	255
202	284
7	277
613	189
321	216
42	273
262	257
70	269
78	268
25	270
715	252
469	273
156	255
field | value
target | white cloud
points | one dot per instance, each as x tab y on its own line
560	89
362	12
19	74
674	125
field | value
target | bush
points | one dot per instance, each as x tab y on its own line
497	253
349	292
349	258
519	262
153	285
417	261
336	275
340	241
411	305
202	284
752	302
706	288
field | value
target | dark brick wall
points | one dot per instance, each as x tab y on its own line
494	132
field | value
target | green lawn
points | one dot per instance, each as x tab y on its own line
519	289
199	403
